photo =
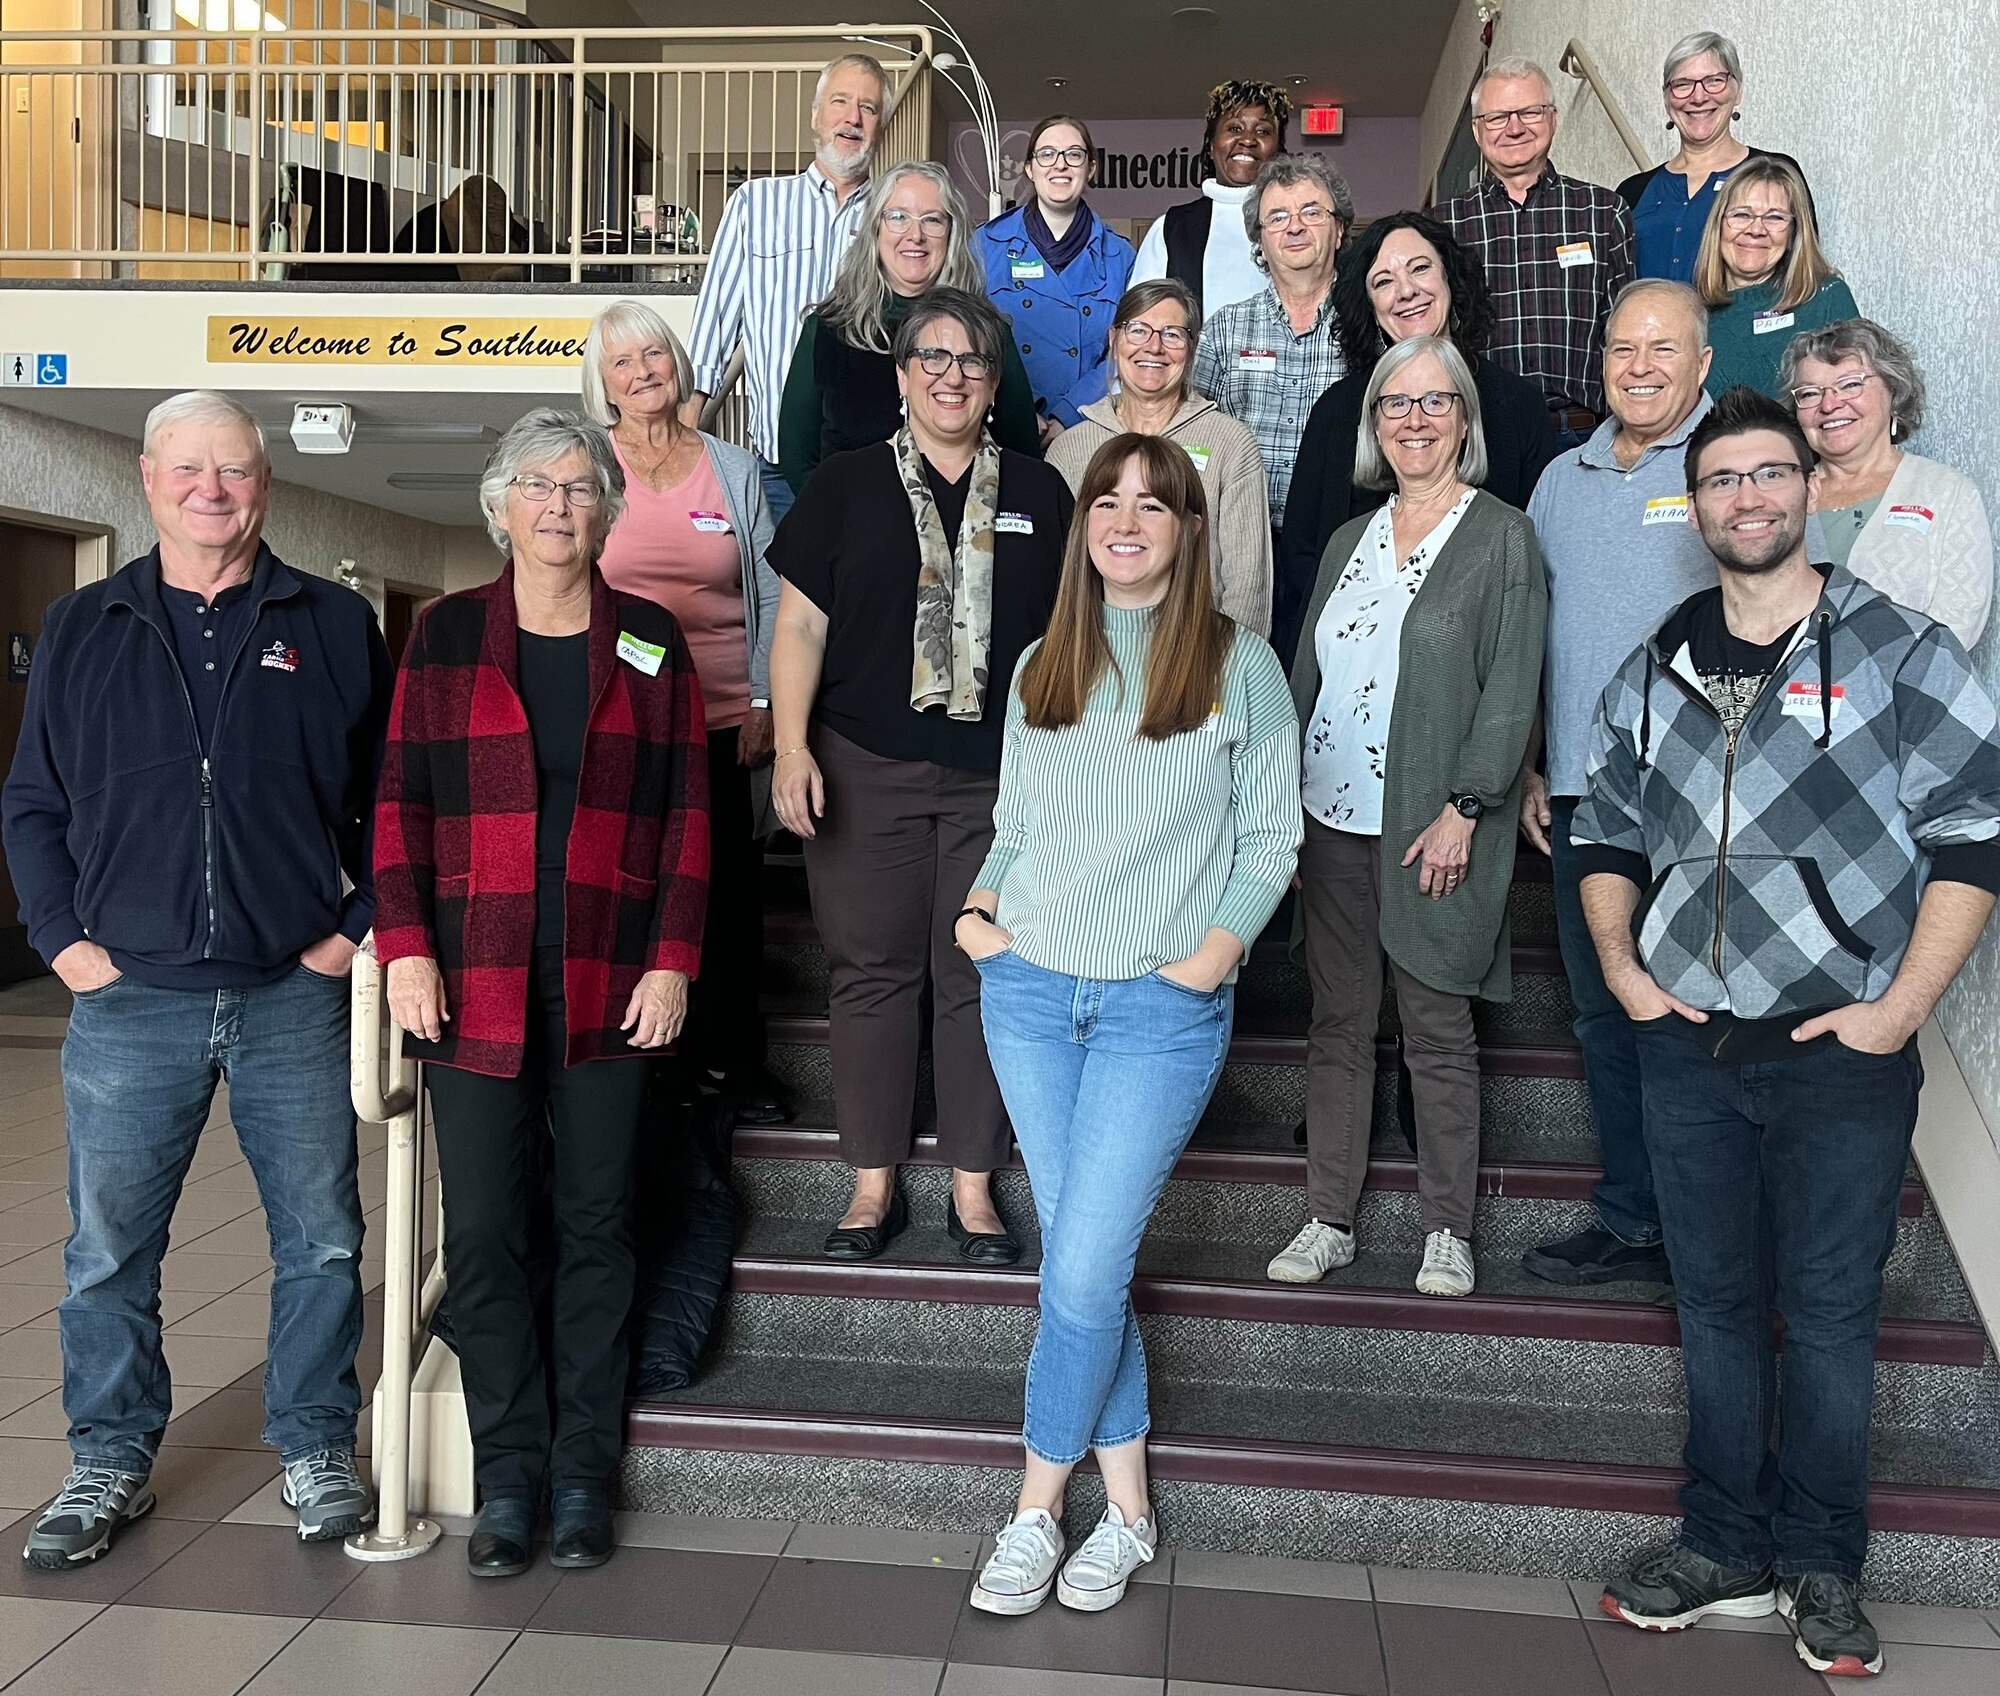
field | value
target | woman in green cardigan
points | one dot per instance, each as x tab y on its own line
1415	681
1762	276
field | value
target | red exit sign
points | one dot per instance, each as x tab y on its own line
1324	120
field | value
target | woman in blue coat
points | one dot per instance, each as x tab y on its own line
1056	270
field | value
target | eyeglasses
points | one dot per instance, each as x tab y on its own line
896	221
1310	216
1047	156
936	361
1809	399
1494	122
1435	404
1173	338
1717	82
1777	475
540	491
1742	219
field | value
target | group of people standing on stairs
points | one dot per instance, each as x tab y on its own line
1070	608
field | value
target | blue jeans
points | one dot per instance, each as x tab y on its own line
140	1066
1104	1082
1778	1183
1624	1195
777	492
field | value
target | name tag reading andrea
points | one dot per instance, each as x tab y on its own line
1257	359
1765	322
646	656
1013	524
1666	509
1910	517
1802	700
710	523
1570	254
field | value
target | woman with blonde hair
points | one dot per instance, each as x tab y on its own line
1147	826
1762	275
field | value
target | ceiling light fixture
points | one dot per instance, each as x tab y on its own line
1197	17
433	480
1058	83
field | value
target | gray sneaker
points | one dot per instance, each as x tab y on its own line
329	1495
93	1504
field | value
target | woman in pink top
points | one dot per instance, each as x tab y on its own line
692	538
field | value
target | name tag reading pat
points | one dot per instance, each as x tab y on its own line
1013	524
646	656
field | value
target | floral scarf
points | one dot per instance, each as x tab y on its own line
954	585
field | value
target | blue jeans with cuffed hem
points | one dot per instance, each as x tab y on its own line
777	492
1778	1182
140	1067
1104	1082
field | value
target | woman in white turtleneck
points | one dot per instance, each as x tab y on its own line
1246	127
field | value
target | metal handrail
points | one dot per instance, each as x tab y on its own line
388	1089
1577	61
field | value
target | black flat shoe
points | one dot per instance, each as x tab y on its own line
753	1095
866	1242
582	1530
503	1540
981	1248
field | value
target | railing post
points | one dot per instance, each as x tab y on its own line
578	92
375	1046
256	158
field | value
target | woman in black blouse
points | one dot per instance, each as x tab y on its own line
1403	276
915	572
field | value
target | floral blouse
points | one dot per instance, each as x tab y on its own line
1358	641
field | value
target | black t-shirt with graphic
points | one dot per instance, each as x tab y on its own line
1732	670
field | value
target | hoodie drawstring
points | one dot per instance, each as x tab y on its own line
1646	709
1825	681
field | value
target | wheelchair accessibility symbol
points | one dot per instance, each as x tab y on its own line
51	370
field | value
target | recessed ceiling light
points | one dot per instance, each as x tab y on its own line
1297	82
1058	83
1197	17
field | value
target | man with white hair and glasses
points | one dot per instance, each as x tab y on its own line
184	821
775	251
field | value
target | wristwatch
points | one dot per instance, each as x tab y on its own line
760	703
1468	806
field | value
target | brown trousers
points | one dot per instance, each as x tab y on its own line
889	869
1340	900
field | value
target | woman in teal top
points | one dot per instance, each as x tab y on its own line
1762	275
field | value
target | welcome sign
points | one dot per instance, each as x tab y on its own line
454	342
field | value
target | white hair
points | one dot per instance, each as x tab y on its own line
1510	68
201	406
1679	294
627	323
1694	46
1371	465
535	441
857	62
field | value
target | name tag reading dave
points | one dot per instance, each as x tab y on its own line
1570	254
646	656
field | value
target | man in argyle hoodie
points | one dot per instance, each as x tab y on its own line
1790	845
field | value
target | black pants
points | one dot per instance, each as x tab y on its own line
562	1420
725	1028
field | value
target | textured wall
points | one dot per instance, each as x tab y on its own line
64	470
1894	111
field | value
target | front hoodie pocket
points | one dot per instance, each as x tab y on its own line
1783	921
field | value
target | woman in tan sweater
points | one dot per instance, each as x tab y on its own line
1153	336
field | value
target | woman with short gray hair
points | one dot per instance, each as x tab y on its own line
541	862
1702	84
840	390
1909	526
1415	682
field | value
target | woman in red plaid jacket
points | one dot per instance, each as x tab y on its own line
541	864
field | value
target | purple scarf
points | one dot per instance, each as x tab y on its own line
1075	239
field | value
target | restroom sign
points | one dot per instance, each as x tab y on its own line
34	370
51	370
17	370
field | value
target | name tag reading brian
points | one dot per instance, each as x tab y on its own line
646	656
1666	509
1013	524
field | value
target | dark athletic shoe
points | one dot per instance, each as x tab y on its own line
1676	1588
1834	1635
1595	1256
93	1505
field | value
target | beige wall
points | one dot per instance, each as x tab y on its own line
1898	128
53	183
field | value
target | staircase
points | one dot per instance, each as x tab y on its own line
1525	1429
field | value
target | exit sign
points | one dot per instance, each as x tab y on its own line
1325	120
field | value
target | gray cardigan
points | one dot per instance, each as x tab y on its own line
750	519
1470	672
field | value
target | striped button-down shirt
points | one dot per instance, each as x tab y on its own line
1554	263
774	257
1257	368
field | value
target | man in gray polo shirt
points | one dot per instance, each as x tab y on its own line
1612	517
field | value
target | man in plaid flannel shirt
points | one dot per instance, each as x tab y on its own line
1556	251
1791	844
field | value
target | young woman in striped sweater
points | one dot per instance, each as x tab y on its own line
1147	826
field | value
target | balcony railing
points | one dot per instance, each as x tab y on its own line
421	154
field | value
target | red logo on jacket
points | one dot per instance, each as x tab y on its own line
279	657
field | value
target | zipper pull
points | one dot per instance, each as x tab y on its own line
207	784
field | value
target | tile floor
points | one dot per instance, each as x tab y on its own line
214	1594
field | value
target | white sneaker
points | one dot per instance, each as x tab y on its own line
1097	1573
1447	1268
1312	1254
1020	1572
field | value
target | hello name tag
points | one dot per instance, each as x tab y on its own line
1802	700
1199	456
1910	517
1026	270
1256	359
1013	524
1666	509
1570	254
1765	322
710	523
646	656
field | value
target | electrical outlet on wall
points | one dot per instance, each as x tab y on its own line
20	95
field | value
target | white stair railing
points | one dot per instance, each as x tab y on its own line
388	1090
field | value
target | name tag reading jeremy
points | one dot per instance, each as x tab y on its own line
1026	270
1910	517
1666	509
1802	700
1765	322
646	656
1570	254
1013	524
710	523
1257	359
1199	456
